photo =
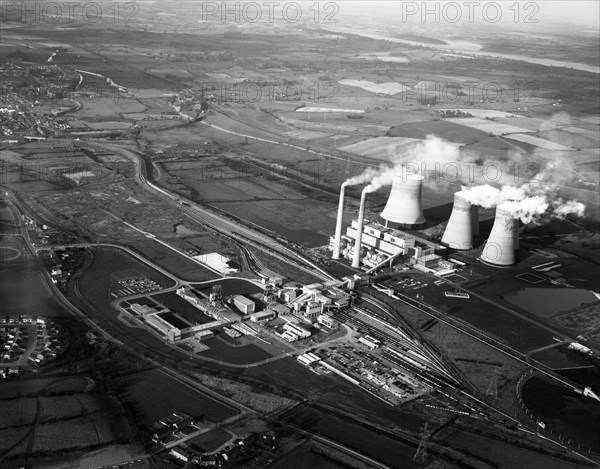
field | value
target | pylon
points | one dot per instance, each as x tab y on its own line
421	453
492	390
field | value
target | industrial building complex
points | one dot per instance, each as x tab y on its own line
373	244
183	286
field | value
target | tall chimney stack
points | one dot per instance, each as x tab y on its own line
459	231
338	225
404	204
499	249
359	231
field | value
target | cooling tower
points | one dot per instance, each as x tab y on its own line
338	225
475	220
359	231
516	233
474	214
499	249
459	231
404	204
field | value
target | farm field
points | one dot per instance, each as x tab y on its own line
216	181
23	289
383	148
300	221
31	387
593	134
306	134
109	125
22	411
9	438
490	127
17	412
317	109
107	106
61	417
154	395
302	457
538	142
447	129
390	88
569	139
532	123
74	433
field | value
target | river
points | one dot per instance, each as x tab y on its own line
472	49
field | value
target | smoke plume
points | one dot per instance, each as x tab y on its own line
528	209
533	197
424	156
487	196
561	208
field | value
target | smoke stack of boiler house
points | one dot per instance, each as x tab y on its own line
338	225
359	231
404	208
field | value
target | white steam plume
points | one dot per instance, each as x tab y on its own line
528	209
561	208
424	156
531	199
487	196
366	176
531	209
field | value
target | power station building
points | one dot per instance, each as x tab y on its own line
371	244
374	244
379	244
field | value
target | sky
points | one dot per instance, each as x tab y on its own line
579	13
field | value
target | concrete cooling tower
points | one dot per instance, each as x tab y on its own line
499	249
404	207
459	231
474	213
338	225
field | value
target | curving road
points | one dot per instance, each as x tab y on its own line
216	221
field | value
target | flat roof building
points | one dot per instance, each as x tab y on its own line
245	305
